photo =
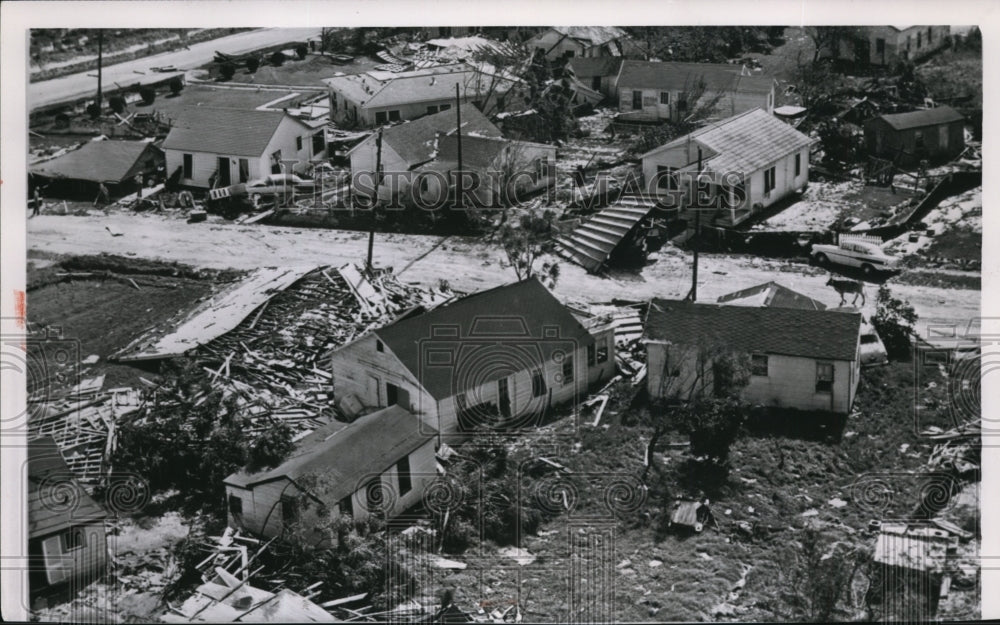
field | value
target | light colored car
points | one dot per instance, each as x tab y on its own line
263	188
864	255
872	349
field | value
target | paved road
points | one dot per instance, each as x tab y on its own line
73	86
466	264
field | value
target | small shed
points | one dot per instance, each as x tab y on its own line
67	545
115	163
907	138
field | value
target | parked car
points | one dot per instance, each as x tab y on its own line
872	349
263	188
866	256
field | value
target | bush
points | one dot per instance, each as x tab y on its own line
302	50
253	63
894	320
176	85
117	104
227	71
93	111
148	95
278	59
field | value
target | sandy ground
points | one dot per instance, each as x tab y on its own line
467	264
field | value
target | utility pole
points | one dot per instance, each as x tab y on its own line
458	134
378	183
100	63
693	295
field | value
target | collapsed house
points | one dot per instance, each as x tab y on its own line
216	147
599	73
112	163
652	91
799	358
379	463
377	97
500	357
908	138
737	167
67	546
560	42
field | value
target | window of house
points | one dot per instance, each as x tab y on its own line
602	353
918	138
394	116
276	162
445	107
758	364
235	505
289	510
824	377
379	347
592	354
73	538
188	166
768	180
346	506
403	475
244	170
665	178
537	384
798	164
637	99
431	110
381	117
567	369
665	98
298	144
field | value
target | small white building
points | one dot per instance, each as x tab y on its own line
748	162
209	147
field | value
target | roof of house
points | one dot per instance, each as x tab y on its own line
347	454
788	331
232	132
596	35
771	294
416	141
745	142
56	500
97	161
485	336
927	117
671	76
595	65
381	89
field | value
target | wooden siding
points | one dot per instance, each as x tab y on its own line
79	566
731	103
883	140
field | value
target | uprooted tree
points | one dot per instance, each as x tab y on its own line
190	435
527	242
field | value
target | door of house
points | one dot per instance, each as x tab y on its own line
943	137
595	83
503	396
225	176
373	393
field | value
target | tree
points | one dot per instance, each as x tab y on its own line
702	106
302	51
529	241
176	85
278	58
227	71
117	104
148	95
828	39
253	63
894	320
820	576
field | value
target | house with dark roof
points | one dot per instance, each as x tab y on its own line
503	356
799	358
114	163
378	97
216	147
653	90
560	42
67	543
380	462
747	162
907	138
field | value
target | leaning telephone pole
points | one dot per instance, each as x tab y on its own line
378	183
100	63
693	295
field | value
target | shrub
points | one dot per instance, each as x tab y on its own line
93	111
278	59
253	63
894	320
176	85
117	104
302	50
227	71
148	95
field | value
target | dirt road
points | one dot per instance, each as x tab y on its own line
466	264
68	88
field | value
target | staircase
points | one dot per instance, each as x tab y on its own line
592	242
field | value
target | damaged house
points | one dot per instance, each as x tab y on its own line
377	97
907	138
798	358
582	41
379	463
748	162
652	91
114	163
497	357
215	147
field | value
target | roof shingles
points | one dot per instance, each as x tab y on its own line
232	132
